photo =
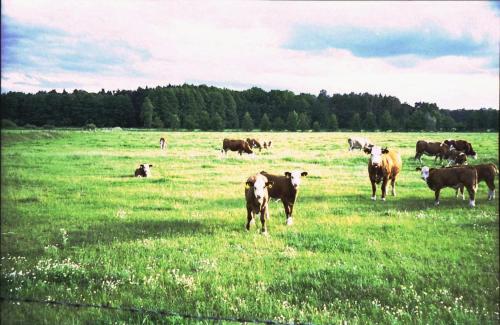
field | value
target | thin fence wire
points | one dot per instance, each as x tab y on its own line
164	313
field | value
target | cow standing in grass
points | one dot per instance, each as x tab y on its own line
163	144
462	145
485	173
434	149
358	143
383	165
236	145
257	198
253	143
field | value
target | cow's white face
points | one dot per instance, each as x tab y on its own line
376	155
425	173
147	169
295	177
259	189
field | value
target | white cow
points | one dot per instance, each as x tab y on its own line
358	143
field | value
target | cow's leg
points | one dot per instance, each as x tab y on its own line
393	185
374	189
461	189
436	197
288	213
249	217
263	220
384	187
491	189
472	196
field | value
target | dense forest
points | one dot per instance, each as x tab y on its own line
211	108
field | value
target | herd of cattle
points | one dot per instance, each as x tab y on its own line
384	165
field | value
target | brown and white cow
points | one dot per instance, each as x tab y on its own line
358	143
285	188
454	177
485	173
254	143
462	145
436	149
267	144
236	145
455	157
144	170
383	165
257	199
163	143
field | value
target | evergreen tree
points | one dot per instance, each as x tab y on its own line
386	121
316	126
247	122
265	123
217	122
304	122
147	113
333	124
231	121
370	123
204	121
278	124
174	121
355	123
292	121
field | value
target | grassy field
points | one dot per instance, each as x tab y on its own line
77	227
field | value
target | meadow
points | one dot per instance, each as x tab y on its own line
77	226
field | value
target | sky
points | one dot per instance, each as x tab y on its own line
439	52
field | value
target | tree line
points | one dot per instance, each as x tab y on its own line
210	108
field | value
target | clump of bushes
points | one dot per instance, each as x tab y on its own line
48	126
30	126
116	129
90	127
8	124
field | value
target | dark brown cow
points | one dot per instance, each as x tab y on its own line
437	149
454	177
254	143
163	143
144	170
383	165
236	145
257	198
286	189
462	145
485	173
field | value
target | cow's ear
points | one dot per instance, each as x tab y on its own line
141	166
303	174
385	150
150	165
418	168
269	184
288	174
248	184
367	150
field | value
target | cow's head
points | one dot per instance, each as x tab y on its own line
376	153
146	168
295	177
472	153
424	172
259	187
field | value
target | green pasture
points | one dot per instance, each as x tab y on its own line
77	226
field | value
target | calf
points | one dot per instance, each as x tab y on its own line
462	145
163	144
455	177
286	189
486	173
266	144
358	143
455	157
236	145
257	198
144	170
436	149
383	165
254	143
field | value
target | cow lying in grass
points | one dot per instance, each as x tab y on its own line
253	143
485	173
257	198
383	165
286	189
144	170
454	177
455	157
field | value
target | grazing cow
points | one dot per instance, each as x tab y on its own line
437	149
236	145
144	170
254	143
455	157
163	144
267	145
358	143
286	189
257	198
486	173
384	165
455	177
462	145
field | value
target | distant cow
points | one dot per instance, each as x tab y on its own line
163	144
286	189
454	177
462	145
236	145
144	170
254	143
358	143
257	198
455	157
266	144
486	173
383	165
436	149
